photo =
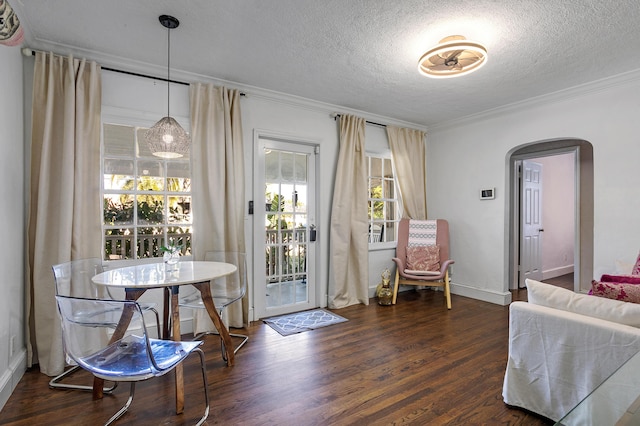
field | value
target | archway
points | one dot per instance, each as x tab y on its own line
583	254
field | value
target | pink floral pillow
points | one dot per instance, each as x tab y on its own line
628	279
423	258
618	291
636	268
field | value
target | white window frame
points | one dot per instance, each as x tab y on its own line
136	119
396	201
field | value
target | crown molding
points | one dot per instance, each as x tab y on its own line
623	79
129	65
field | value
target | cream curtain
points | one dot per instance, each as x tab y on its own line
349	251
65	210
409	158
218	183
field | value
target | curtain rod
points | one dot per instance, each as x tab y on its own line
144	76
30	52
336	115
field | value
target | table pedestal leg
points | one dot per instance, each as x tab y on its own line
205	293
125	319
175	319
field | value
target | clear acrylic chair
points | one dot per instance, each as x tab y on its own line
224	290
73	279
89	324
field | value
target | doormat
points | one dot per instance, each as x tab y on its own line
303	321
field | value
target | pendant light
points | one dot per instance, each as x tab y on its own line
167	139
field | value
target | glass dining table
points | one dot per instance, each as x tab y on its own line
137	279
616	401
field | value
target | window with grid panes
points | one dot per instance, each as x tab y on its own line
383	205
146	199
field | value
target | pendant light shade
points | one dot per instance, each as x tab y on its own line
166	138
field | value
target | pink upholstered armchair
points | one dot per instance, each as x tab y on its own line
437	278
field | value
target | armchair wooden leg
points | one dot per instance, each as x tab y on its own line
395	288
447	290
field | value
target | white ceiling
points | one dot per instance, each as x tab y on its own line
359	54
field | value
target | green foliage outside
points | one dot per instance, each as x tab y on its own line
150	211
378	206
277	205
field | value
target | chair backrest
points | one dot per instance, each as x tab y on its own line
226	290
73	278
442	238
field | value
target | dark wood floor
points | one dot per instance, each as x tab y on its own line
564	281
412	363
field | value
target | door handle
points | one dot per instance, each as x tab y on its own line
312	233
541	230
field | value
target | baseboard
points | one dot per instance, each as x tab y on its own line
490	296
186	325
498	298
557	272
12	376
372	291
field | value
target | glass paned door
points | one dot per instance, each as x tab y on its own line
284	214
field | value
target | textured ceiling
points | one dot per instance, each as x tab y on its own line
360	54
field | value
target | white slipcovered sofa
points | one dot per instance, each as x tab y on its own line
562	345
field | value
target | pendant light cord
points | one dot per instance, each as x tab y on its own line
168	67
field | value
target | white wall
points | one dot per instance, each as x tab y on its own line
13	218
465	156
558	217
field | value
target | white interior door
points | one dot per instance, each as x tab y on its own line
531	222
284	224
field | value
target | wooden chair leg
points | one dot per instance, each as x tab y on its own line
395	287
447	290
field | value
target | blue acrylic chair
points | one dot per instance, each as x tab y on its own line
74	279
224	290
109	339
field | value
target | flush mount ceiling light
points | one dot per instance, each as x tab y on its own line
167	139
453	57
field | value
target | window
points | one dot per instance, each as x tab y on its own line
383	205
146	199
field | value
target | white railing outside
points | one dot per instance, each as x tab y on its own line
123	246
286	254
